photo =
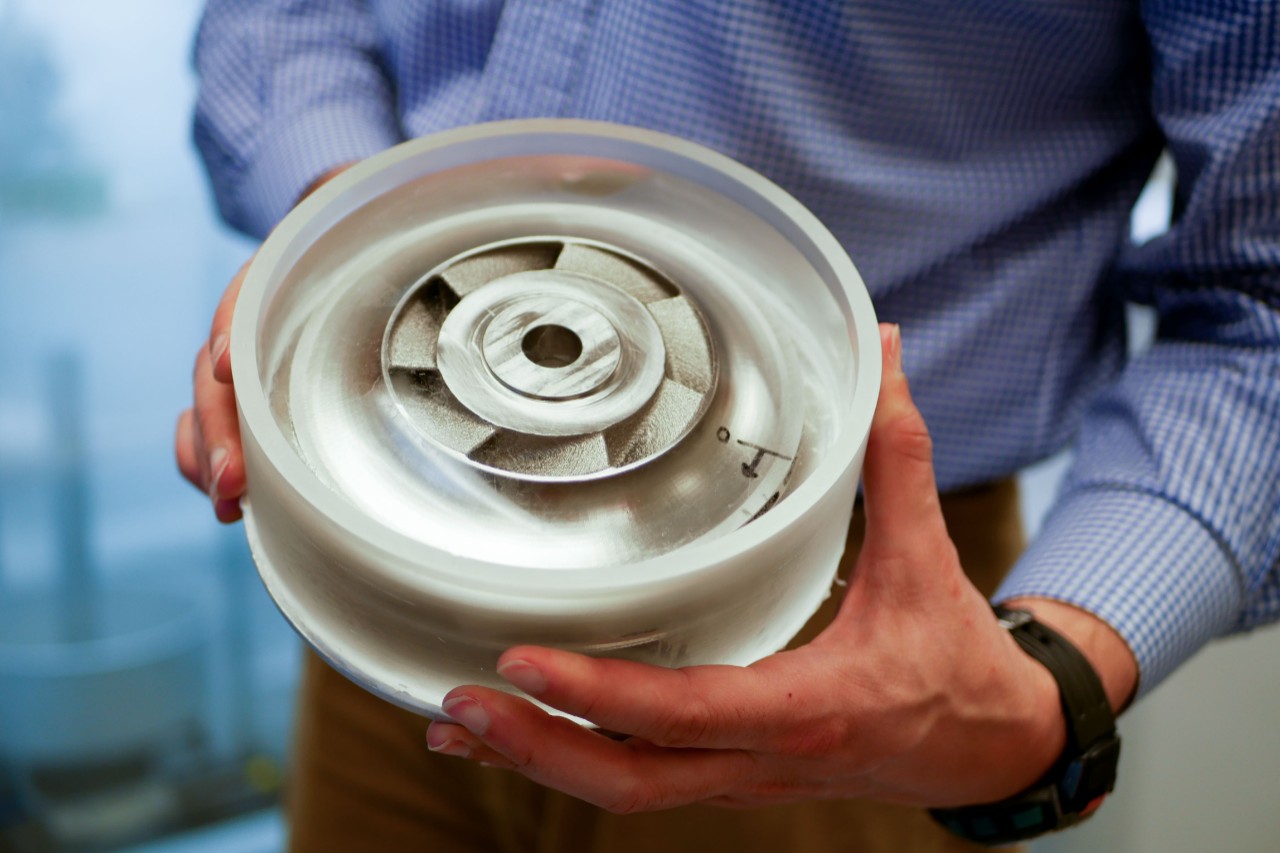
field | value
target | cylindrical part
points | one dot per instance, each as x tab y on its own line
665	475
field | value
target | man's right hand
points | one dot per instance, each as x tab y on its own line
207	443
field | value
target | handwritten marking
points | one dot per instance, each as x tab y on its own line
749	469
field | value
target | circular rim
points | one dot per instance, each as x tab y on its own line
488	582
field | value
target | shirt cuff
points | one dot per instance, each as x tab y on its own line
1143	565
297	150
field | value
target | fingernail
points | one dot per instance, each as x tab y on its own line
217	466
218	347
895	347
468	712
524	675
887	335
449	746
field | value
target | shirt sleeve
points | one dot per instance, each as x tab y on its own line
289	89
1168	526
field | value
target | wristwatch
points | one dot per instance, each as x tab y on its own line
1080	779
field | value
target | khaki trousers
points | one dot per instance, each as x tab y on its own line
363	779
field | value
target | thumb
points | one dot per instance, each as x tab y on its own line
904	517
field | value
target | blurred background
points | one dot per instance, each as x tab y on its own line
146	680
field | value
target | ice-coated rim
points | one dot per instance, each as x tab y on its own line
485	582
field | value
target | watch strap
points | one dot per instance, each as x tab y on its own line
1084	700
1082	776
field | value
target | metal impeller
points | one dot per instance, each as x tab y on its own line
550	359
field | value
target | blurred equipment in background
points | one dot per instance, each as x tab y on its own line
146	681
103	722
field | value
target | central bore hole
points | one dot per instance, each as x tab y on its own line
551	346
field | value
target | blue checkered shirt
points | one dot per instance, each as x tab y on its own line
978	160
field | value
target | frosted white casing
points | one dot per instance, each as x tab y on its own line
410	620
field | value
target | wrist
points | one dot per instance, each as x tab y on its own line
1106	651
1042	733
1078	780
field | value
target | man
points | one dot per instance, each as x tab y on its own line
978	161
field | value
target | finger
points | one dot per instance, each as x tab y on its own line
220	331
185	452
201	453
194	462
622	777
218	433
453	739
904	516
712	707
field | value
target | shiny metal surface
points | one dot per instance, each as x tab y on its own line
551	356
482	356
556	349
639	435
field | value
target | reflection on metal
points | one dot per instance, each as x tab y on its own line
553	382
